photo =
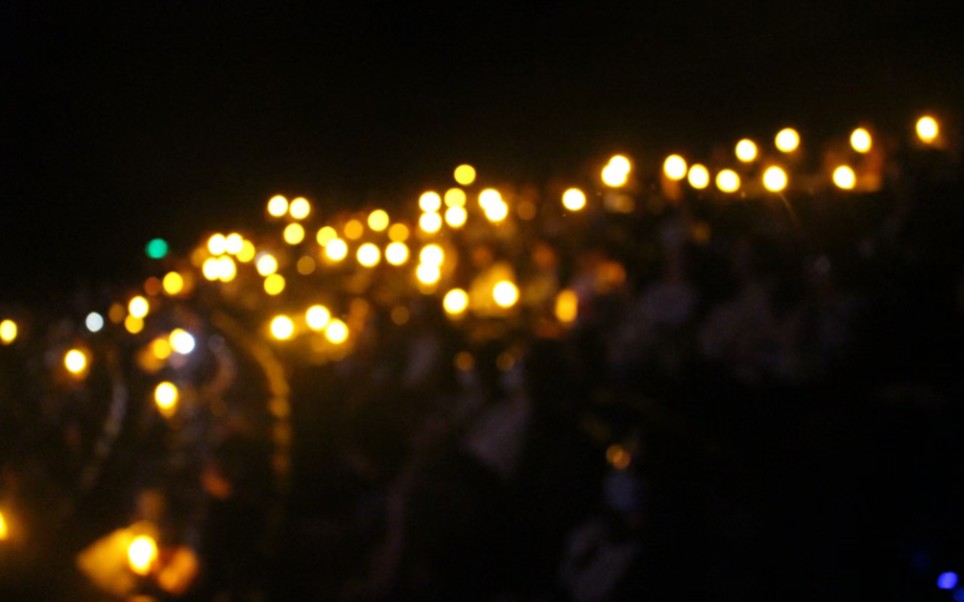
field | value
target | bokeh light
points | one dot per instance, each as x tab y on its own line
787	140
266	264
427	273
336	332
142	554
455	197
211	269
8	331
336	249
947	580
699	176
674	167
368	255
746	150
505	294
182	341
277	206
233	243
4	529
282	328
497	212
618	457
75	361
133	324
354	229
299	208
927	129
325	235
173	283
317	317
217	244
616	173
464	174
728	181
227	269
94	322
574	199
398	232
431	255
138	307
161	348
456	217
775	179
166	396
378	220
430	223
860	140
274	284
567	306
156	249
844	177
430	201
247	251
294	233
396	253
455	302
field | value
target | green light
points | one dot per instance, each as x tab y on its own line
156	249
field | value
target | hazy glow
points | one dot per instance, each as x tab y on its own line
8	332
526	210
728	181
860	140
182	341
464	174
336	332
336	249
844	177
675	167
305	265
746	150
698	177
567	306
431	255
787	140
173	283
927	129
430	223
325	235
75	361
317	317
505	294
274	284
166	396
774	179
455	302
618	457
133	325
141	554
94	323
138	307
217	244
456	217
266	264
233	243
398	232
294	233
277	206
247	251
455	197
430	201
354	229
396	253
211	268
574	199
368	255
282	328
378	220
299	208
427	273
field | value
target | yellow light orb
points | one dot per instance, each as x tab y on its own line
497	212
325	235
173	283
336	332
775	179
430	223
746	150
217	244
305	265
233	243
354	229
674	167
505	294
396	253
927	129
787	140
182	341
4	530
455	302
378	220
620	163
698	176
456	217
398	232
336	249
211	268
455	197
227	270
574	199
133	325
75	361
728	181
266	264
161	348
464	174
427	273
614	177
430	201
294	233
317	317
274	284
247	251
282	328
166	396
277	206
844	177
8	332
299	208
860	140
142	554
567	306
368	255
138	307
489	196
431	254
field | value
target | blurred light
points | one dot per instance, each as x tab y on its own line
455	302
699	176
618	457
336	249
161	348
398	233
4	530
464	174
325	235
496	212
431	254
336	332
152	286
396	253
166	396
282	328
787	140
75	361
675	167
211	268
317	317
116	313
947	580
217	244
455	197
182	341
464	361
746	150
428	273
378	220
274	284
294	233
233	243
94	322
456	217
141	554
400	315
227	270
156	248
774	179
860	140
368	255
614	178
574	199
430	223
844	177
305	265
927	129
299	208
620	164
247	251
505	294
354	229
8	332
567	306
728	181
526	210
429	201
173	283
133	324
277	206
266	264
138	307
489	196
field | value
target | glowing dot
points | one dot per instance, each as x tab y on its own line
844	177
4	530
746	150
274	284
464	174
277	206
728	181
774	179
211	268
233	243
325	235
496	212
294	233
141	554
698	177
787	140
133	324
675	167
368	255
860	140
618	456
488	197
138	307
396	253
614	178
398	233
94	322
429	201
455	197
282	328
317	317
456	217
247	251
430	223
567	306
156	248
947	580
227	270
217	244
336	249
505	294
305	265
431	255
455	302
354	229
266	264
182	341
927	129
620	163
574	199
428	273
378	220
8	332
166	396
161	348
75	361
173	283
299	208
336	332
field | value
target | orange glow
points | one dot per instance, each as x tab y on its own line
567	306
4	530
336	332
282	328
927	129
133	325
75	361
398	232
455	302
336	249
505	294
305	265
317	317
860	140
354	229
161	348
618	457
8	332
325	235
455	197
142	554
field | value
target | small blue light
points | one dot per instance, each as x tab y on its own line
947	580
